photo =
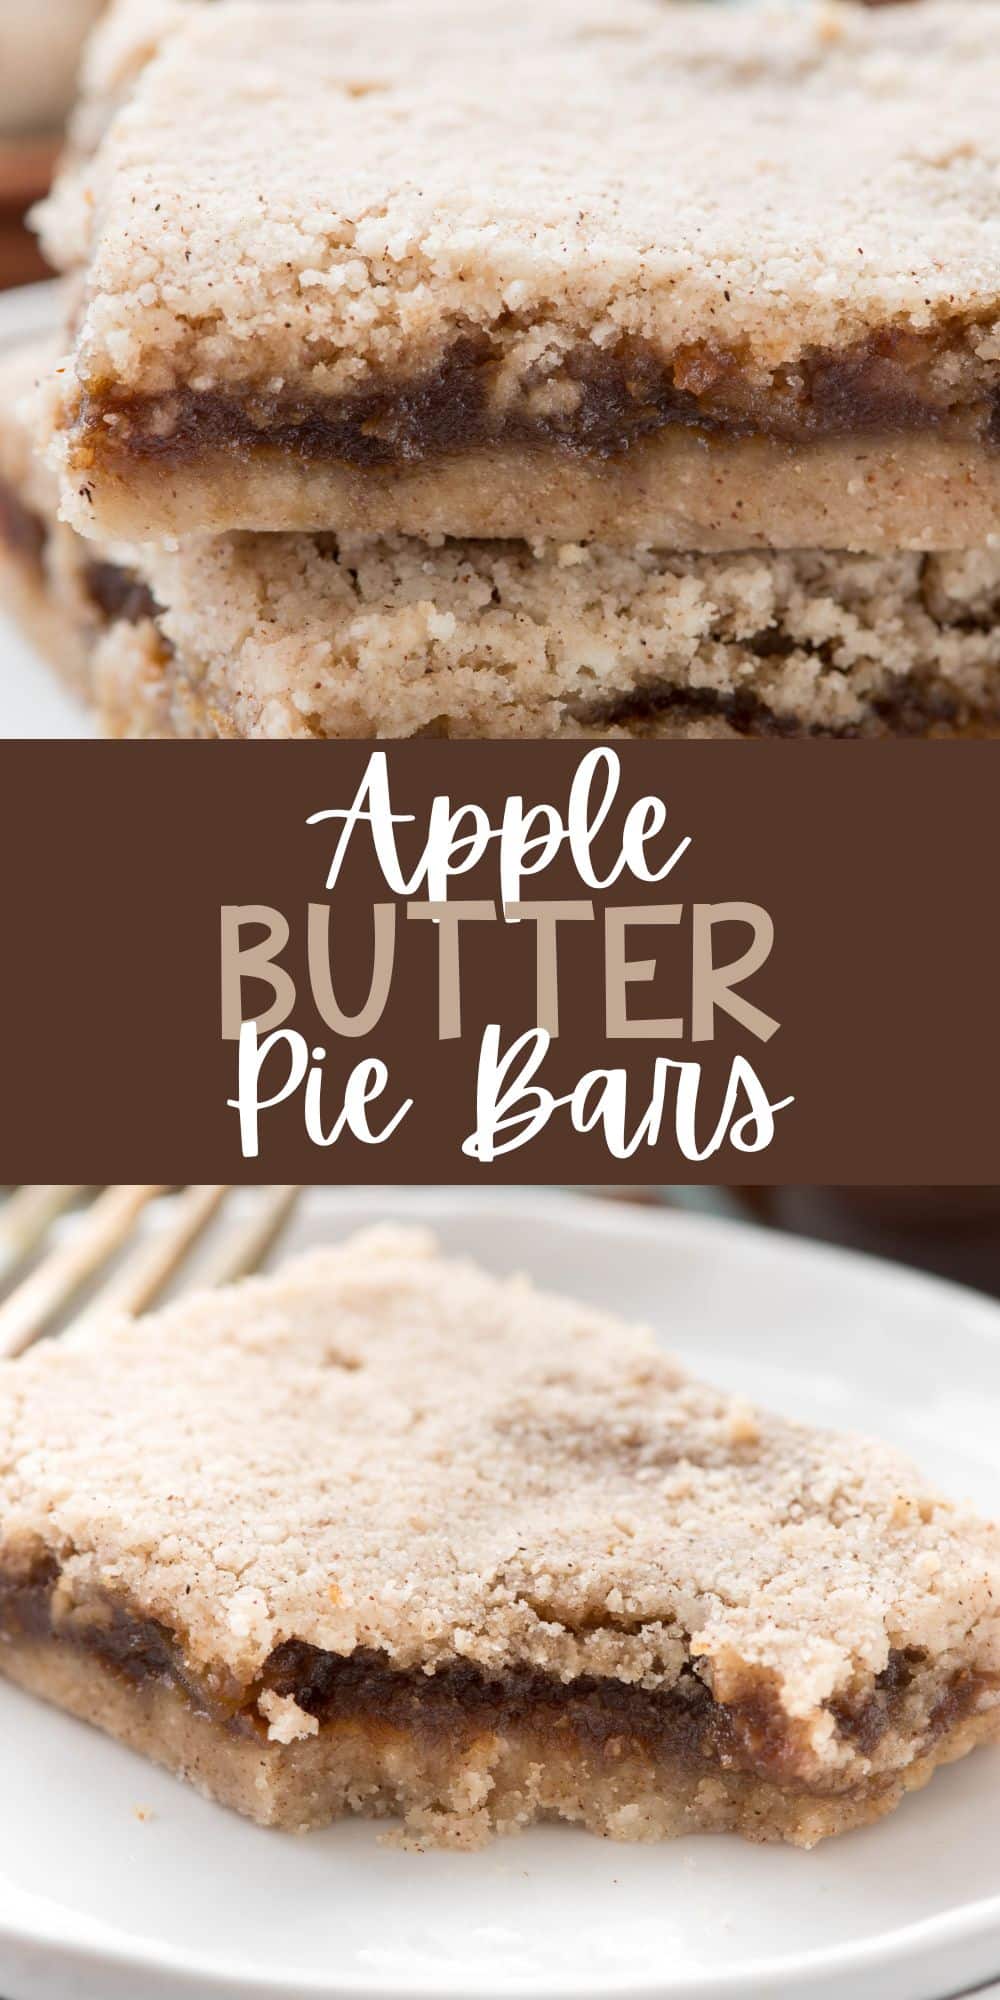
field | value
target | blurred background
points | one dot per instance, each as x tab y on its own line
40	44
65	1245
953	1231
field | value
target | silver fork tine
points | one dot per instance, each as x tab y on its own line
246	1248
27	1215
149	1266
36	1301
51	1287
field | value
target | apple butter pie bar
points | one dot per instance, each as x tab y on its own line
252	635
747	292
385	1534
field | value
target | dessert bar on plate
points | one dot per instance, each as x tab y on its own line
321	635
746	293
385	1534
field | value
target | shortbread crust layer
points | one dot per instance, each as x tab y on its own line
386	1534
678	490
426	332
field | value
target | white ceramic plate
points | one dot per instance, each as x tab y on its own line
32	702
100	1904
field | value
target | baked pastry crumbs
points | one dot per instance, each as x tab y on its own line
748	293
267	635
386	1534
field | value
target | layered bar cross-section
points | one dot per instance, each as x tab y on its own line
348	636
385	1534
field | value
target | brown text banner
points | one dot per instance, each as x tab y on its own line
519	962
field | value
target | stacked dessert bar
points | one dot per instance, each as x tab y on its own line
540	370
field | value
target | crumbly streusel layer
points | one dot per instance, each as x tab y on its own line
739	229
383	1497
301	636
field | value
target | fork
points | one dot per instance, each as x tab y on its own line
108	1239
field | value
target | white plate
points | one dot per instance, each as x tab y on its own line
32	701
102	1905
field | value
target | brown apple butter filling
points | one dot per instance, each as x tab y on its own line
118	594
683	1723
602	401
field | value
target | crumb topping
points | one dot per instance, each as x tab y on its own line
300	195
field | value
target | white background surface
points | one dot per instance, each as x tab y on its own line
96	1904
